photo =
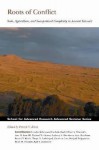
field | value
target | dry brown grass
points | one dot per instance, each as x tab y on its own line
39	79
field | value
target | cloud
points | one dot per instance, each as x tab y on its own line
9	29
74	46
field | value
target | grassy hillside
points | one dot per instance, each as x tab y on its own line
72	84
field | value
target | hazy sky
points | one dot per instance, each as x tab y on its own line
73	46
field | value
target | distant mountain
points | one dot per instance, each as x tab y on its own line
74	85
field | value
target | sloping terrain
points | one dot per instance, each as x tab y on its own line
74	85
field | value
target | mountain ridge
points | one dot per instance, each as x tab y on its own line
17	57
39	79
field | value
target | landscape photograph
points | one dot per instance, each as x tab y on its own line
49	72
